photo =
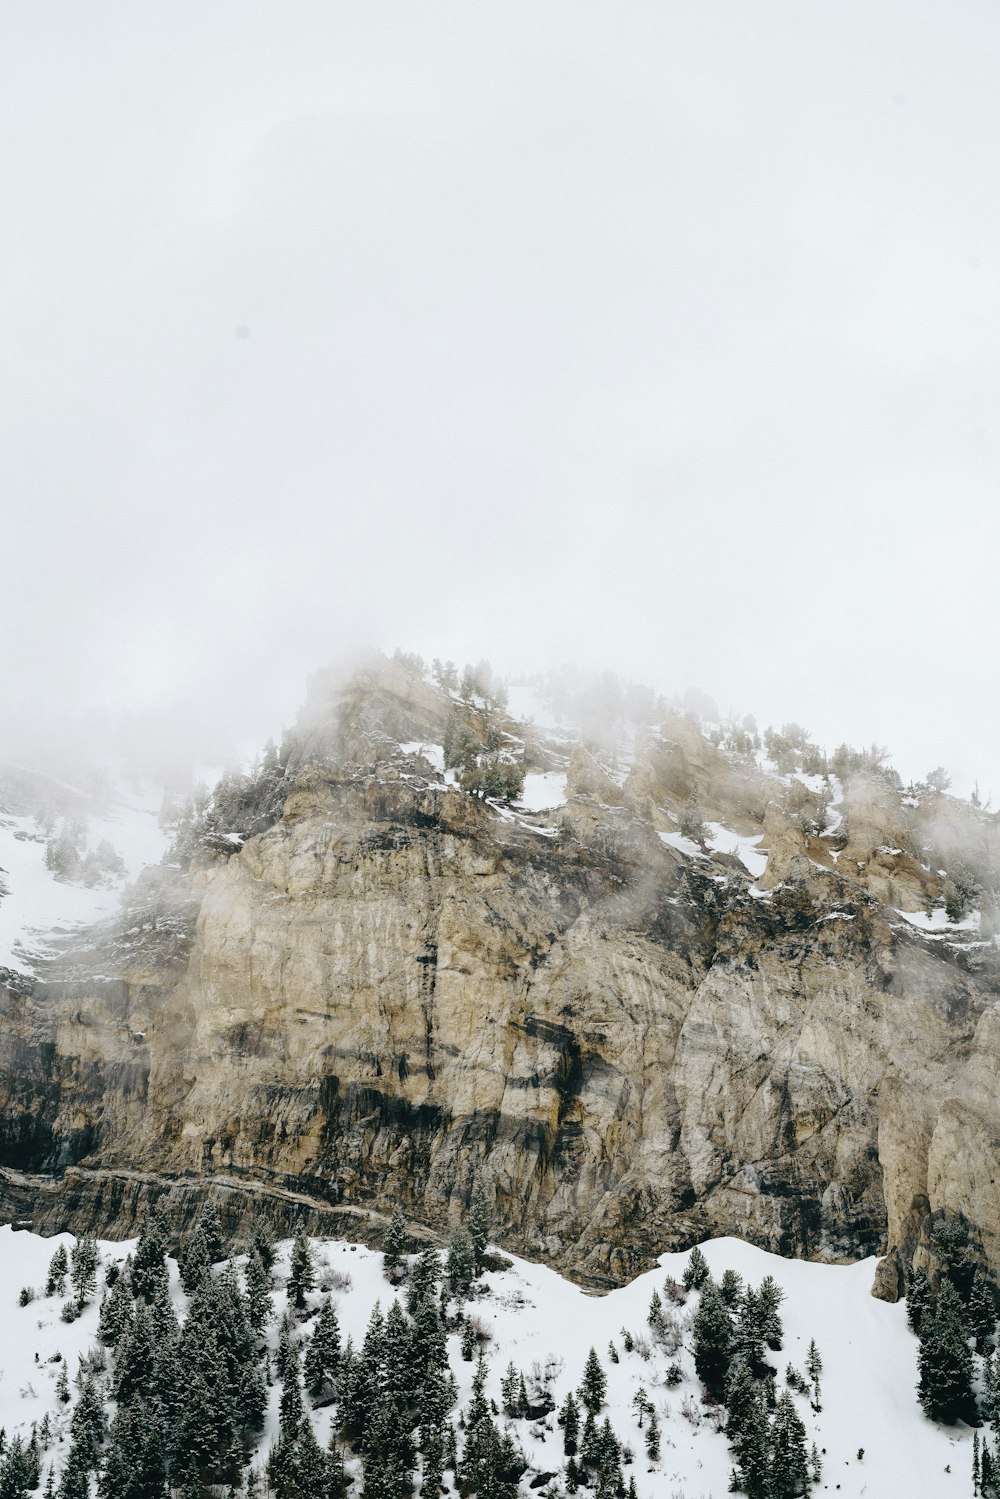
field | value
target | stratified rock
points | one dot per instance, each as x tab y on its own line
394	986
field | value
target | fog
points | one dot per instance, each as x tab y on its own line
661	338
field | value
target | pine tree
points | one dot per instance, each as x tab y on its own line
258	1284
461	1262
740	1396
750	1328
360	1378
210	1225
432	1476
312	1470
814	1368
88	1424
134	1467
429	1381
395	1240
609	1462
589	1443
83	1268
148	1268
655	1314
396	1349
480	1222
135	1358
75	1483
424	1279
713	1340
991	1389
301	1274
291	1409
770	1296
752	1450
918	1299
593	1385
692	821
508	1392
388	1456
351	1393
262	1240
789	1459
116	1314
696	1270
336	1481
944	1388
640	1401
490	1466
569	1420
815	1464
952	1242
731	1288
323	1355
55	1285
478	1409
195	1259
653	1436
982	1311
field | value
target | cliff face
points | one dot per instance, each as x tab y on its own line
394	985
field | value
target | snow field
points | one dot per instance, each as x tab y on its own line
533	1316
721	840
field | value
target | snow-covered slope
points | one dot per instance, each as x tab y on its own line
36	906
534	1318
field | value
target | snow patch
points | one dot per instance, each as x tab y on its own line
937	921
683	845
37	906
432	753
543	790
724	841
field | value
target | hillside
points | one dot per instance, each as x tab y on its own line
869	1433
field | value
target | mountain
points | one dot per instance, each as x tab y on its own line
685	982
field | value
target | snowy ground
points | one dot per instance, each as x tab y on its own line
937	921
532	1316
683	845
543	790
724	841
37	906
432	753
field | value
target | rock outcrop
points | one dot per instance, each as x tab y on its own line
393	986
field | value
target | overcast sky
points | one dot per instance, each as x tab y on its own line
662	337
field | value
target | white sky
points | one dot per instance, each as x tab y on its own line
662	337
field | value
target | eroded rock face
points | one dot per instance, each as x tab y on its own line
394	986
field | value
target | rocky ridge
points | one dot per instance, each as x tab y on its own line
375	985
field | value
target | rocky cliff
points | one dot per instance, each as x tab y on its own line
381	984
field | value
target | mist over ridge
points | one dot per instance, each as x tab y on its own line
657	343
